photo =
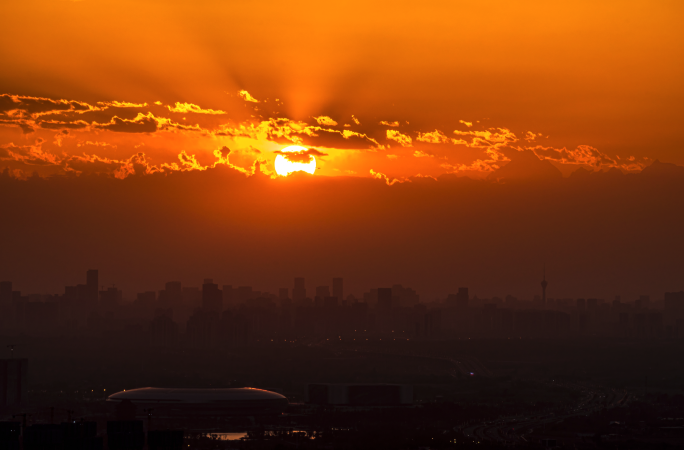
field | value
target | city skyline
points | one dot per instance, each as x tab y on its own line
290	292
368	225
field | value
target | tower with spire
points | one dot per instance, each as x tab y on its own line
543	285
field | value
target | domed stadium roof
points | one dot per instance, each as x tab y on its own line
215	397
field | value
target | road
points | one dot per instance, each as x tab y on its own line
517	428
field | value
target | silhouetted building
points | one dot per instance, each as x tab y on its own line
212	297
299	291
165	439
244	293
543	286
643	301
227	296
92	288
125	435
13	384
216	402
459	300
592	305
322	292
70	435
163	330
581	305
203	329
674	302
192	297
283	293
338	288
172	295
404	297
384	298
5	293
110	298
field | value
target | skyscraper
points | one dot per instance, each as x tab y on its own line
299	291
13	384
322	292
543	285
338	289
92	289
212	297
5	293
385	298
172	295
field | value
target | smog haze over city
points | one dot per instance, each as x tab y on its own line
275	225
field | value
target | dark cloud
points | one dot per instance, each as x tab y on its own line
141	124
58	125
26	127
36	106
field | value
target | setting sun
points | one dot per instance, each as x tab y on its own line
294	159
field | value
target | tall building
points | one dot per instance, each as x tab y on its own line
244	293
5	293
110	298
299	291
172	295
543	285
338	289
174	286
463	297
13	383
459	300
674	302
92	278
212	297
581	305
323	292
227	296
283	293
385	298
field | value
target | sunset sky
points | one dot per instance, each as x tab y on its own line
410	89
155	126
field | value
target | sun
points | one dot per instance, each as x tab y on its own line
284	166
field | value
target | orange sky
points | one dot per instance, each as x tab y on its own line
420	88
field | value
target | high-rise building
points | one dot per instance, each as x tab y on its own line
13	383
174	286
322	292
299	291
283	293
110	298
338	288
385	298
674	303
92	277
463	297
212	297
227	296
172	295
459	300
581	305
592	305
543	285
5	293
244	293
